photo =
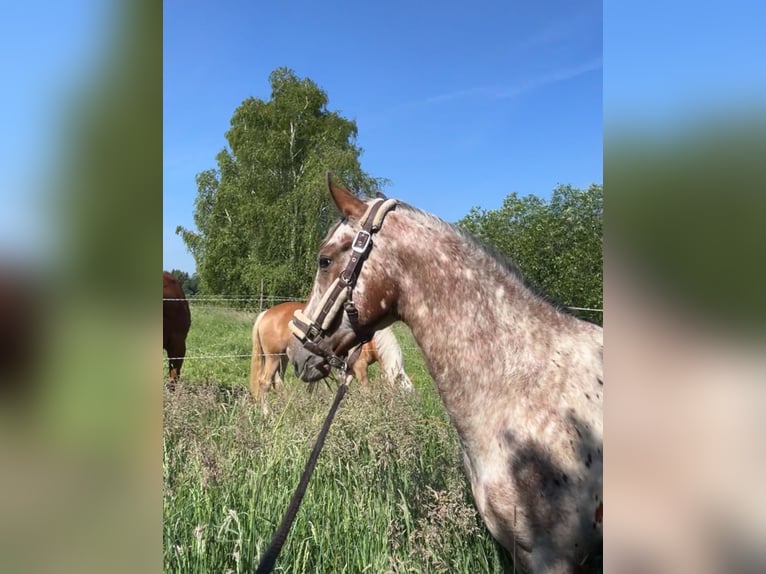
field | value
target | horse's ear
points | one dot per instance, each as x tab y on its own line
380	195
350	206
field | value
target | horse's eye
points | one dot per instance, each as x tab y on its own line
324	262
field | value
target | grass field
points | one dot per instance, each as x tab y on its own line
388	493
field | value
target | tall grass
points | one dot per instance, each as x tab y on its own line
388	493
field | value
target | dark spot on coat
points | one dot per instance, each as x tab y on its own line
600	381
589	461
599	515
564	477
587	396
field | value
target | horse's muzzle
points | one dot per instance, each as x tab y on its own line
308	366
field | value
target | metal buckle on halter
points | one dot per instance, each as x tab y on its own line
338	363
312	332
365	237
351	311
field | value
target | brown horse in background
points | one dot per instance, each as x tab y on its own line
176	320
271	337
22	310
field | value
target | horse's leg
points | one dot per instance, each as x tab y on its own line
176	353
282	368
265	403
181	354
263	396
267	380
270	373
256	392
360	370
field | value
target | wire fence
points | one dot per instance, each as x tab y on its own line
264	303
249	355
265	299
273	300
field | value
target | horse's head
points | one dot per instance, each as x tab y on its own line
353	293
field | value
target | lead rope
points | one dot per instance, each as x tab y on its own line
272	552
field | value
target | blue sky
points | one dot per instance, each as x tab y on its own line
671	63
48	51
457	104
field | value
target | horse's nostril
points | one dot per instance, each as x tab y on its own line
318	365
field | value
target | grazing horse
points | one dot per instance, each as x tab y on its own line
384	349
521	380
176	320
271	336
22	311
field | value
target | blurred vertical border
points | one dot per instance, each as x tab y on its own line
80	418
685	322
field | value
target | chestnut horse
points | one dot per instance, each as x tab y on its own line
176	320
271	336
521	380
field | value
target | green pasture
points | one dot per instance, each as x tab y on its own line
388	494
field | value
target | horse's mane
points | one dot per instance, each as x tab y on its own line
475	243
503	261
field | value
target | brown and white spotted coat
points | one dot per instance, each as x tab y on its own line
521	380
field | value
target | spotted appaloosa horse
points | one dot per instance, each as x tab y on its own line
271	336
176	320
521	380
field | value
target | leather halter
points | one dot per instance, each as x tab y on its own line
311	330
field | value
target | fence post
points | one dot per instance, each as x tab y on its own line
260	304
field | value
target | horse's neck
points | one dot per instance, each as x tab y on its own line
478	325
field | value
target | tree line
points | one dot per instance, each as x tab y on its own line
189	283
260	219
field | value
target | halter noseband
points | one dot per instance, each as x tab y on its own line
311	330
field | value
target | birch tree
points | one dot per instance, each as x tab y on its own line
261	213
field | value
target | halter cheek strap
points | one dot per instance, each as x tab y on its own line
310	330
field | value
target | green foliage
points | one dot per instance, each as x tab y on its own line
687	223
262	213
189	283
557	244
